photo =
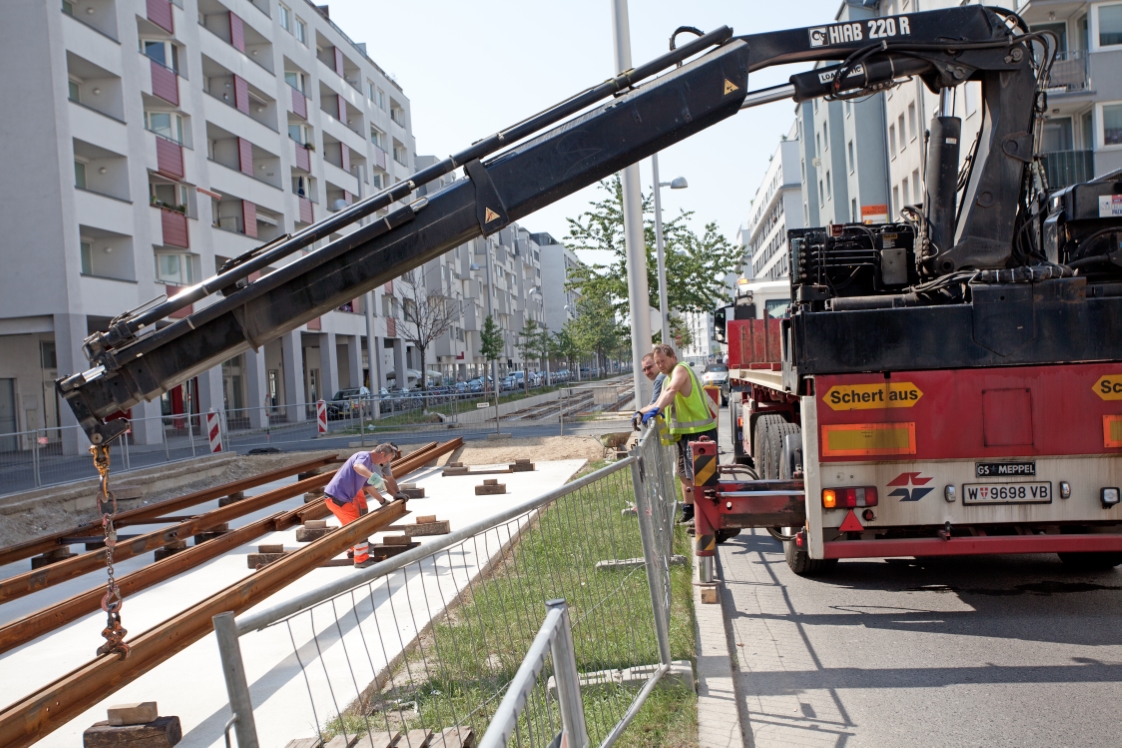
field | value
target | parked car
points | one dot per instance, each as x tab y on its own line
718	374
347	403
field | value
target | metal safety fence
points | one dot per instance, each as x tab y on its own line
448	638
51	456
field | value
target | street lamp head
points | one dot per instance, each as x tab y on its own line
679	183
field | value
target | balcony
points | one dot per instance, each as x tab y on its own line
241	154
1065	168
303	157
106	254
299	103
165	83
236	92
97	15
307	215
232	29
1070	73
169	158
160	13
174	227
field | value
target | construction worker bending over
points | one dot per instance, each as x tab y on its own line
363	473
688	415
654	375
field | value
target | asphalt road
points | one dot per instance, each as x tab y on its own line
983	651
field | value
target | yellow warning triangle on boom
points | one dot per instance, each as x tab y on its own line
730	87
490	215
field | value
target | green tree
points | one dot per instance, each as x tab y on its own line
696	266
534	344
564	347
596	328
490	339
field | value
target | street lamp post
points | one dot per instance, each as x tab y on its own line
678	183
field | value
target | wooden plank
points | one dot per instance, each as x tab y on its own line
52	706
456	737
487	490
442	527
163	732
418	738
133	714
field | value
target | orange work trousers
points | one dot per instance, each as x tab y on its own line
347	514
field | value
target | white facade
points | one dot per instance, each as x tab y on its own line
702	345
776	207
557	262
155	140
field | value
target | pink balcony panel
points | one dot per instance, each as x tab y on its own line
388	287
345	156
341	108
299	104
348	197
159	13
306	213
380	158
174	226
172	292
165	83
249	218
241	94
303	158
339	61
169	158
237	32
391	327
315	324
245	156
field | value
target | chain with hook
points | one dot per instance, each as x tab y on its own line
111	602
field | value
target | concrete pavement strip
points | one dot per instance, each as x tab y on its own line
718	714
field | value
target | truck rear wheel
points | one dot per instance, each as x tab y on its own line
800	562
1094	561
764	448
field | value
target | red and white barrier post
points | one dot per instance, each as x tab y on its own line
321	417
214	431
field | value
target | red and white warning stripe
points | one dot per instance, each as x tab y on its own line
321	416
214	431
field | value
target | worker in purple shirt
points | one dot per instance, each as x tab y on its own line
346	494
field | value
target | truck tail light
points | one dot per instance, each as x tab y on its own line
849	498
868	439
1112	431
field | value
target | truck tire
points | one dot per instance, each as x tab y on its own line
1093	561
764	445
777	458
800	562
792	459
724	535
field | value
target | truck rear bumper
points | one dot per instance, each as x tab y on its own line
968	546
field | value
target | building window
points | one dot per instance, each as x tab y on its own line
401	155
892	140
853	210
301	31
828	195
370	90
1112	124
165	124
300	186
821	194
852	162
904	188
912	119
397	114
296	80
915	187
79	175
900	129
73	92
87	257
284	15
68	7
817	143
896	199
826	135
381	99
300	133
377	137
165	53
1110	25
176	269
376	180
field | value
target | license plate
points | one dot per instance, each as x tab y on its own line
1007	493
1025	469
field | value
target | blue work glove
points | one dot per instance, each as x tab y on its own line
649	415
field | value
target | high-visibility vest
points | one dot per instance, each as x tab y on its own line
691	415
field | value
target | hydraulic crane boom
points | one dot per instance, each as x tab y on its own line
135	360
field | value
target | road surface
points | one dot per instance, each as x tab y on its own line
976	651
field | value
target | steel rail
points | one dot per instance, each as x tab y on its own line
50	707
31	627
51	542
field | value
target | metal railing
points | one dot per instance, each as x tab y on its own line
1069	71
52	456
445	637
1065	168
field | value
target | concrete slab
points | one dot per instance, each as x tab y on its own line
718	715
357	636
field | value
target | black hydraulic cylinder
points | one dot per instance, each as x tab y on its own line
528	177
941	181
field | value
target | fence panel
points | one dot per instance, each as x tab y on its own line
432	639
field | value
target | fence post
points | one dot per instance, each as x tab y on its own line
190	428
164	439
568	680
657	564
241	706
125	445
561	408
35	460
362	421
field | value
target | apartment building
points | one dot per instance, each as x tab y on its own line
558	262
776	207
153	141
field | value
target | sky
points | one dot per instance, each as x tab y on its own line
471	68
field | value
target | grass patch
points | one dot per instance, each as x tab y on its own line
459	668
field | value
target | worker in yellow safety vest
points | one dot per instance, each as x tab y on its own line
688	414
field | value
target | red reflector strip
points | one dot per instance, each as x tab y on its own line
868	439
1112	431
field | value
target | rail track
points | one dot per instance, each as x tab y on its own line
48	708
